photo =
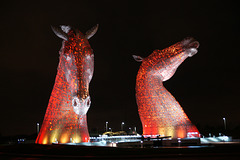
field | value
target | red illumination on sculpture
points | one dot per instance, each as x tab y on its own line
159	111
65	120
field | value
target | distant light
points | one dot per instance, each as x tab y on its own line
106	122
224	119
122	122
38	124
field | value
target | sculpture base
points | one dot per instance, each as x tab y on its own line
68	136
173	131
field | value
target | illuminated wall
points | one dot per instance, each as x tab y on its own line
65	119
159	111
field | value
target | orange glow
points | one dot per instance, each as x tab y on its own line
55	135
70	100
77	139
159	111
65	138
45	140
181	133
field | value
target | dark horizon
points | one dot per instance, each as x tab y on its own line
206	85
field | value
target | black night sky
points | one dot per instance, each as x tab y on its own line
206	85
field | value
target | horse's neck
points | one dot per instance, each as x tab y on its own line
61	85
153	85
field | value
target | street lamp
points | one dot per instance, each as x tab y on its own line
135	129
122	126
106	126
37	128
224	122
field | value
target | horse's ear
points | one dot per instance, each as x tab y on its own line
91	32
138	58
60	33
